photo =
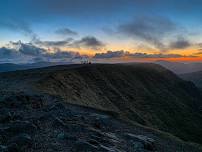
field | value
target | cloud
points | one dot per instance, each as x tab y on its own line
199	52
61	43
118	54
66	31
149	29
18	52
10	55
181	43
110	54
7	53
19	26
27	48
89	42
61	54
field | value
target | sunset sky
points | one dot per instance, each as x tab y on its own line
103	30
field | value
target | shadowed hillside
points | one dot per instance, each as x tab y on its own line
144	93
195	77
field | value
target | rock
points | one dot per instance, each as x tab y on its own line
58	106
93	142
5	116
97	125
102	122
61	136
84	147
149	143
58	122
14	101
108	149
15	116
3	148
112	136
2	138
13	148
21	140
9	148
37	104
20	127
22	100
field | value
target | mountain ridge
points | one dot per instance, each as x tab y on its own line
181	67
145	93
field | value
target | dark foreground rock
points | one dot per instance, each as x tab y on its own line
44	123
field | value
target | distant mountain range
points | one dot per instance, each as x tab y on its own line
187	71
195	77
180	67
6	67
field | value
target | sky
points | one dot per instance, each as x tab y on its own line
101	30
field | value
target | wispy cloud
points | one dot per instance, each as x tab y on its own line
150	29
18	26
66	32
60	43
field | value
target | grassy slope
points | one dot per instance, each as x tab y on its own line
146	93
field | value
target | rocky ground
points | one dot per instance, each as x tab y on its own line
40	123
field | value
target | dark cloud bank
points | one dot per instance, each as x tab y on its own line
118	54
89	42
180	43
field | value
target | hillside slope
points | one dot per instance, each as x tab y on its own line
195	77
145	93
36	123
